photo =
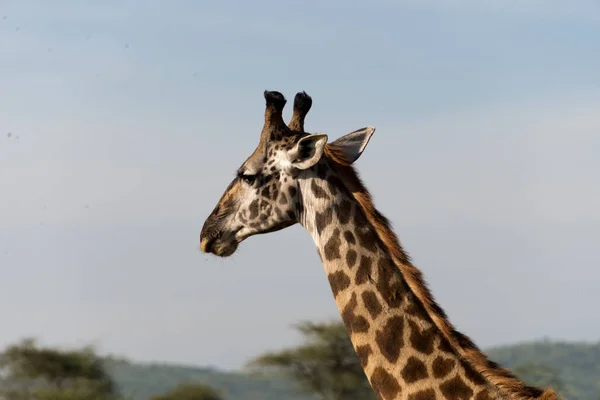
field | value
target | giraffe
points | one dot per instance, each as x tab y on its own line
406	344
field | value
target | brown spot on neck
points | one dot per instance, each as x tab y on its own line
351	258
414	370
323	220
332	247
384	384
363	353
441	366
353	321
338	281
363	272
426	394
371	303
390	338
422	339
456	389
318	191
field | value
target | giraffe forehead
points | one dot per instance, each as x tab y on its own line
267	150
267	160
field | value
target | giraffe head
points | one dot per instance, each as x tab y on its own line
265	195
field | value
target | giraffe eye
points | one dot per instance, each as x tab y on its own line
249	179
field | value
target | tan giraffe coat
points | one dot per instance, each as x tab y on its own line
407	346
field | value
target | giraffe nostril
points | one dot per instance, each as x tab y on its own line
208	234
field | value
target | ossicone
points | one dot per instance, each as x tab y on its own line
275	100
302	104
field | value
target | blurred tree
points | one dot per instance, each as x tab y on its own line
326	365
190	391
33	372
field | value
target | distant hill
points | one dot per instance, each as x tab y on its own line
140	381
576	366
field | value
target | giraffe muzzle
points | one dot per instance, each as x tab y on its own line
218	244
217	241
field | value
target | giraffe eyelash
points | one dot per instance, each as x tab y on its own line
248	178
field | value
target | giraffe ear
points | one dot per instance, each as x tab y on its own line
308	151
354	143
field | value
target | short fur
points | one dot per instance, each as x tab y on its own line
506	382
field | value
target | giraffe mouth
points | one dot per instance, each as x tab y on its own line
219	243
224	244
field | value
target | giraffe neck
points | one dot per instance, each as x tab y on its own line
403	353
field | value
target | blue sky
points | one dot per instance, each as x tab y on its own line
122	122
